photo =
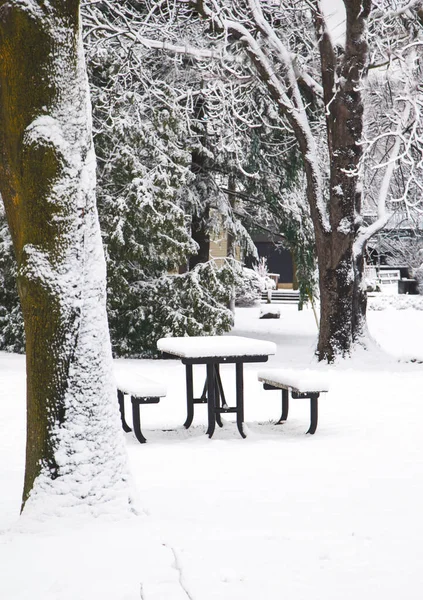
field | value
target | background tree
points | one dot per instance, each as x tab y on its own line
297	67
75	451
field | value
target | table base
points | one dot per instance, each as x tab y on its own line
213	395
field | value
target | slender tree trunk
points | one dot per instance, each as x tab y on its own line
359	322
75	453
230	240
200	234
201	215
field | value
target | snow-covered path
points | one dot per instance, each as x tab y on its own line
277	515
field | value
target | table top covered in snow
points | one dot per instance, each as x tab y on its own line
301	380
215	346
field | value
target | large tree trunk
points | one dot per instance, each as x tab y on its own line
75	453
342	296
336	282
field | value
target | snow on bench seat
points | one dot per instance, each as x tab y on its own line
142	391
132	383
302	381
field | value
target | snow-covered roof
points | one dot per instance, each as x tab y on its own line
216	345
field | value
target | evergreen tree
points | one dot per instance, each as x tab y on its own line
271	187
12	336
145	188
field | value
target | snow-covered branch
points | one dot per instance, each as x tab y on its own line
397	153
382	13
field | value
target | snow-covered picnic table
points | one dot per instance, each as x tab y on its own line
213	351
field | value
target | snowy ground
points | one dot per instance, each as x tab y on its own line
277	515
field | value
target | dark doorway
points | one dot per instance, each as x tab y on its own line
279	260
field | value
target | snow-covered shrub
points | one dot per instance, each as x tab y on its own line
266	282
248	288
395	301
171	305
371	284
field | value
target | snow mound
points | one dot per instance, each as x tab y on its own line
398	301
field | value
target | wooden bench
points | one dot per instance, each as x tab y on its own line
302	384
142	391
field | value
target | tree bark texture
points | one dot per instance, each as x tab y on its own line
342	297
75	453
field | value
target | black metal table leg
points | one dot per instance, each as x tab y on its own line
203	397
219	383
313	413
219	398
190	396
136	420
121	400
285	407
240	397
216	401
211	399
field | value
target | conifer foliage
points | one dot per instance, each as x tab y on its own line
12	336
144	178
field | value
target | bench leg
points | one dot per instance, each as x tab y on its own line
285	407
121	400
239	370
313	413
190	396
136	420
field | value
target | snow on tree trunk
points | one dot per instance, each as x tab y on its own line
75	452
342	297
